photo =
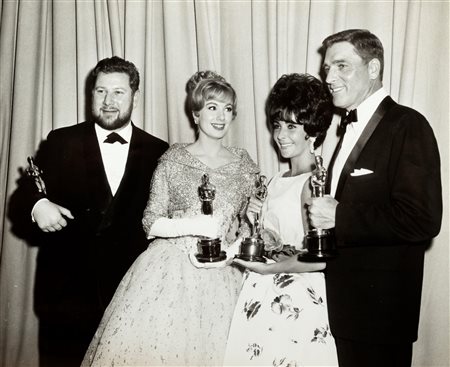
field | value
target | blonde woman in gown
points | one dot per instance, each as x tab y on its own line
281	316
166	311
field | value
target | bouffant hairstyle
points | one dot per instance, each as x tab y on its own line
366	44
206	85
117	65
301	99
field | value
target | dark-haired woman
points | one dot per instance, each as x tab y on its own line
281	316
166	311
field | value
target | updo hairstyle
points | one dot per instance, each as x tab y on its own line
305	98
207	85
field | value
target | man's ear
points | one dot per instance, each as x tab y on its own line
374	68
136	97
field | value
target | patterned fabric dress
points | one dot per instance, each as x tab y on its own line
166	311
282	319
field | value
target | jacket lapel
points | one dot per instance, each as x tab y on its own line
132	162
365	136
98	186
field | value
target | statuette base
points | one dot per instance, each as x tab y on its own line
251	249
320	245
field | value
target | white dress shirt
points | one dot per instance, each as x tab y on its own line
114	156
354	130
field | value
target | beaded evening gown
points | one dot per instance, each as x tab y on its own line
166	311
282	319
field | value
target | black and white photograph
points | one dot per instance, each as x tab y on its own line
224	183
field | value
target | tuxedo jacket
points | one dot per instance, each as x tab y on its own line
384	222
79	267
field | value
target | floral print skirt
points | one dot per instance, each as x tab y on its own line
281	320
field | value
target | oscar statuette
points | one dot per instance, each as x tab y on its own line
208	248
320	244
252	248
35	173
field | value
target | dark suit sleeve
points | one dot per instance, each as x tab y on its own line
403	202
49	159
26	194
44	160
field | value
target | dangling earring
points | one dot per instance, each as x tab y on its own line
195	116
312	140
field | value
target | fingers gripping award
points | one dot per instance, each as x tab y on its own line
252	248
319	243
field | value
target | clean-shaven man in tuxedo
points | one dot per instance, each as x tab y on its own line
385	206
97	176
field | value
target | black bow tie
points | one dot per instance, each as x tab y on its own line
113	137
351	116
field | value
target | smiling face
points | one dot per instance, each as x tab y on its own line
113	100
214	118
349	78
290	138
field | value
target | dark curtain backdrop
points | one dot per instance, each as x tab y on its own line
48	47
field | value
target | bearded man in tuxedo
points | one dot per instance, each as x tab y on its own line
88	220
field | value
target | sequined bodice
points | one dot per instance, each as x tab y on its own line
174	190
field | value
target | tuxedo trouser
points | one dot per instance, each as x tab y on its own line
64	345
358	354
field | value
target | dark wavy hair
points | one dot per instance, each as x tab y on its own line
305	98
366	44
116	64
206	85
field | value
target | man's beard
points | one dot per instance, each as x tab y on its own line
117	123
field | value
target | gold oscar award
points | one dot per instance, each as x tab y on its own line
320	244
252	248
208	248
